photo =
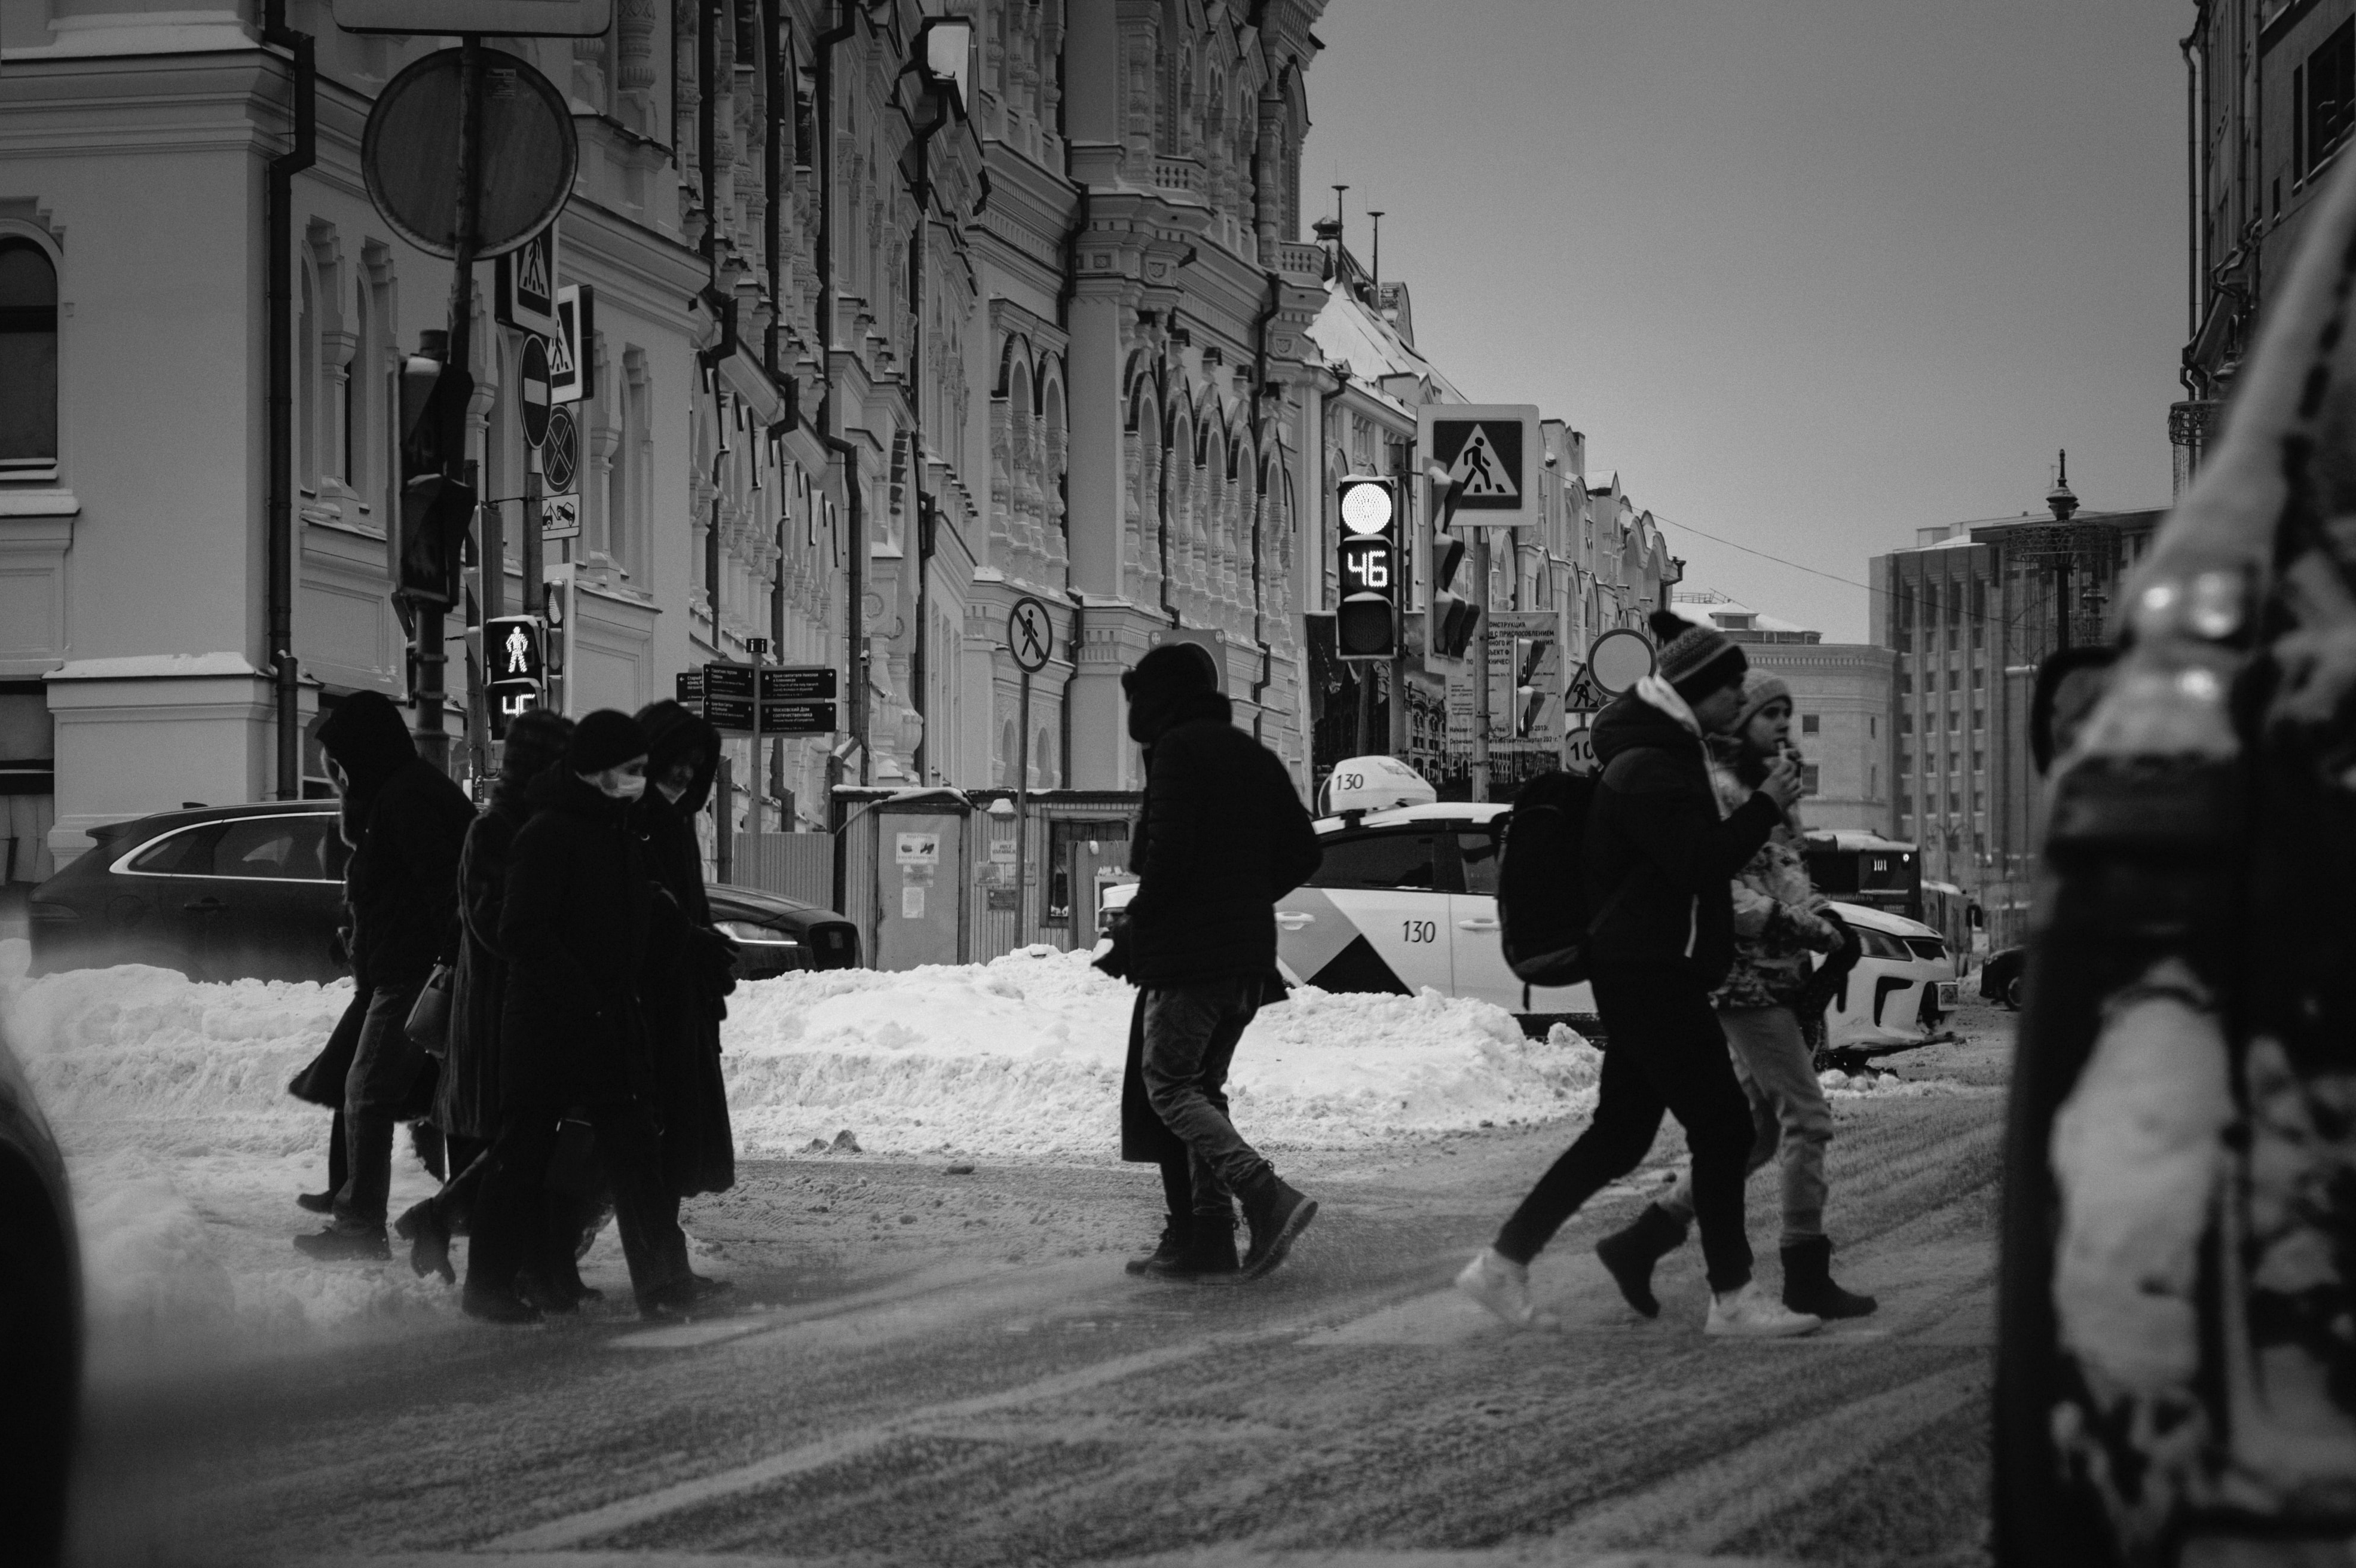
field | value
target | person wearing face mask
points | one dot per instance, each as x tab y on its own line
404	821
577	925
693	969
1778	919
1659	858
465	1105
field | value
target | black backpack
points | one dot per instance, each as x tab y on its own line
1542	881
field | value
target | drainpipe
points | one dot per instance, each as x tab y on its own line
830	409
918	670
773	32
2190	375
1260	385
279	202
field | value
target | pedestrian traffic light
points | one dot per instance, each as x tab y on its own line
515	652
437	506
1365	623
1450	620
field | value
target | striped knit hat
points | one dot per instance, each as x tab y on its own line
1696	658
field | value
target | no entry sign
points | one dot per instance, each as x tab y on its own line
532	399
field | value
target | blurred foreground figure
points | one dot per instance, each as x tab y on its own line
2176	1339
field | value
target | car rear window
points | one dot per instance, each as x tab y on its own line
286	849
186	853
1379	861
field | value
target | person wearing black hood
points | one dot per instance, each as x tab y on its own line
467	1097
404	821
692	972
579	918
1659	868
1222	835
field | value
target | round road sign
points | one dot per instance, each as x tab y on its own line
531	390
1578	751
1618	659
409	152
1030	634
560	454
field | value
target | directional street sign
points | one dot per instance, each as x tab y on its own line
795	699
797	719
531	390
1491	452
560	516
797	683
569	345
1030	634
689	687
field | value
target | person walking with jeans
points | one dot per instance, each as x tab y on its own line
404	821
1659	862
1779	919
1222	836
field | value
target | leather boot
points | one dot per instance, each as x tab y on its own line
1176	1231
1808	1283
1209	1252
1630	1254
1278	1214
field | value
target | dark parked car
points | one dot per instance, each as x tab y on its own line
2000	977
229	892
40	1322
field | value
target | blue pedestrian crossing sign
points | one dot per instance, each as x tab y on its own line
1491	453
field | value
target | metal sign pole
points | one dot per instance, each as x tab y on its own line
1481	665
1022	808
752	807
535	591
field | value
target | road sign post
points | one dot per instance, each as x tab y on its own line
1030	638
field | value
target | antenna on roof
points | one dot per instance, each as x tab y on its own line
1376	213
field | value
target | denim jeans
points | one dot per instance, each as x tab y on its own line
1788	1114
384	1067
1191	1031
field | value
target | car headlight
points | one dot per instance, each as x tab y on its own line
752	935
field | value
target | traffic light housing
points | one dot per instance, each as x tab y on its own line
1450	620
515	655
437	506
1366	621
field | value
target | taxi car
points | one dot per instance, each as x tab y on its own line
1900	992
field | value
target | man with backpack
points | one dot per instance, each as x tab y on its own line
1658	863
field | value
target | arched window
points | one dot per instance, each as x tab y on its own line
28	360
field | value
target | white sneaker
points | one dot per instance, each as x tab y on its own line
1503	1285
1751	1314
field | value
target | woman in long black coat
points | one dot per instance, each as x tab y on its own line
577	927
693	970
466	1100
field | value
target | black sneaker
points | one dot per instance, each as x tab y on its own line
1278	1214
335	1244
1166	1252
1210	1254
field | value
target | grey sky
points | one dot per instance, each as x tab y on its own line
1809	273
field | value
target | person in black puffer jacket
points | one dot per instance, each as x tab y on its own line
404	820
467	1098
580	917
1222	835
693	971
1659	863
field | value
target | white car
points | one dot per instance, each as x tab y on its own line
1407	897
1898	994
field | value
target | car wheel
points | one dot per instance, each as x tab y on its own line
2012	993
40	1322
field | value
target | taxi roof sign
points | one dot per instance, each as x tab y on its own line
1376	783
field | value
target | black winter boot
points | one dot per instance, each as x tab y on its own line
1209	1251
1278	1214
1176	1231
1808	1283
1630	1253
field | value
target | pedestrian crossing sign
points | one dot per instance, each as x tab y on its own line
1490	453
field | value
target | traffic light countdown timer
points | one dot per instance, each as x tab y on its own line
1366	622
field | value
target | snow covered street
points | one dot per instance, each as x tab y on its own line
187	1151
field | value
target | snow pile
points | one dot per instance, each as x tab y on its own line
185	1151
1024	1056
1866	1082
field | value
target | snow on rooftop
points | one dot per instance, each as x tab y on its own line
1347	333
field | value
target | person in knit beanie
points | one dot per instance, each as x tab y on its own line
1659	859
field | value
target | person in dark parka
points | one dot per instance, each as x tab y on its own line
466	1102
691	973
1659	862
577	926
1222	836
404	821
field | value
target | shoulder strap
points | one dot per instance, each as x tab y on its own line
1613	902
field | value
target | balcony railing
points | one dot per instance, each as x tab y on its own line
1179	174
1305	259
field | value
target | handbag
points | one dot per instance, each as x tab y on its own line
429	1016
